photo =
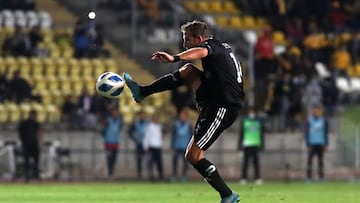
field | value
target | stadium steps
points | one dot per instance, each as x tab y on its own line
62	18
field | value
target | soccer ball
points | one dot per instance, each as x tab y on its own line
110	85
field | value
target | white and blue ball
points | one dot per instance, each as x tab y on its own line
110	85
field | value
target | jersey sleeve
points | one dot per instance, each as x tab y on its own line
210	48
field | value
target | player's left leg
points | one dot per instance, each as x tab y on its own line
320	156
211	122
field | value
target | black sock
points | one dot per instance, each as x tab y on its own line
167	82
212	176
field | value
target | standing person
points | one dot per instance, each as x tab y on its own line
112	129
316	136
30	134
251	142
152	145
137	133
181	135
219	95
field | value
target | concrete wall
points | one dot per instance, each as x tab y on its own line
88	155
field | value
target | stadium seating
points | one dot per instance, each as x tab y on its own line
25	18
225	13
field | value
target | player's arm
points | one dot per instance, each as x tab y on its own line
188	55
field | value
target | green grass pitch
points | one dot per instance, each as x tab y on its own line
197	192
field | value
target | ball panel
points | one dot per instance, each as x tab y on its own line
114	78
105	87
117	92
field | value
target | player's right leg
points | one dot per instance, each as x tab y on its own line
187	73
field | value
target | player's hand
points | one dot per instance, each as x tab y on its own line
162	57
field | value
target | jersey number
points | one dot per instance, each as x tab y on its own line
238	68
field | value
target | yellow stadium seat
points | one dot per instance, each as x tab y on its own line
236	22
222	21
261	23
84	62
62	71
87	72
53	84
46	97
190	5
41	112
74	73
90	85
40	85
34	61
357	69
50	70
53	113
202	6
25	109
216	7
3	114
249	22
77	87
14	112
25	70
278	37
10	61
22	60
65	86
37	71
230	7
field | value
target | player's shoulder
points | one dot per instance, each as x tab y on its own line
215	43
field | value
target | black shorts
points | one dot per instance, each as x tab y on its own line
213	119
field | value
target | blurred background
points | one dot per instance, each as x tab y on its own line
293	53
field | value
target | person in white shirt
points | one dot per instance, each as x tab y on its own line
152	145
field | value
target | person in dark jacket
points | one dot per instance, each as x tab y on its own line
316	137
30	134
251	142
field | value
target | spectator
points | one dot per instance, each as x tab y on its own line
17	44
182	97
86	109
35	37
68	113
316	137
81	39
19	88
315	43
330	95
30	134
152	145
3	87
137	133
96	42
337	16
353	46
181	135
251	142
265	65
111	132
313	94
294	31
341	61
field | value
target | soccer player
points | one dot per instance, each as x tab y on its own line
219	95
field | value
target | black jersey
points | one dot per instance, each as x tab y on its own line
221	81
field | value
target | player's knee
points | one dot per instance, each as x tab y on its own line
193	157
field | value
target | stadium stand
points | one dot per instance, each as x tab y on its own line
58	74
